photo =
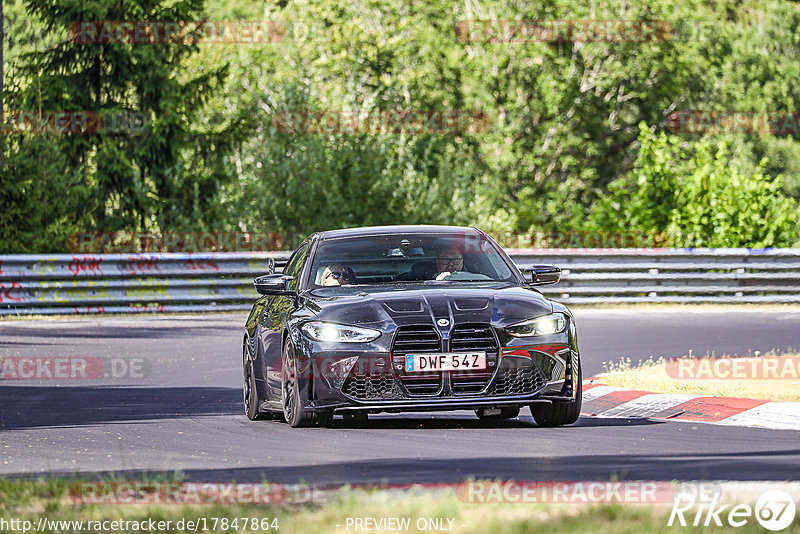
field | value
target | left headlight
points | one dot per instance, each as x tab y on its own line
540	326
321	331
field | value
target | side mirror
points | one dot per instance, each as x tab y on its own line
540	275
273	284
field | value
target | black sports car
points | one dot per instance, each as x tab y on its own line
408	318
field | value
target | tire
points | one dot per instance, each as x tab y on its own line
560	413
505	413
251	399
294	412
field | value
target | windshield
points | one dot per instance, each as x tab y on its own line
408	258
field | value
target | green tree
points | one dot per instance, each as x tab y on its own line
42	197
160	174
717	205
564	149
303	182
699	196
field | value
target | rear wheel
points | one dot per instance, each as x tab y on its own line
560	413
295	413
505	413
251	400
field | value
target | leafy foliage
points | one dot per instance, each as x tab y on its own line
565	148
699	196
40	204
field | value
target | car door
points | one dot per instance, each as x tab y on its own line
274	318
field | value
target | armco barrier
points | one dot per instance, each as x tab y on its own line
130	283
166	282
670	275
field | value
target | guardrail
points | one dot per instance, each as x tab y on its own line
180	282
670	275
130	283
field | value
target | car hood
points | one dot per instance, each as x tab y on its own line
498	304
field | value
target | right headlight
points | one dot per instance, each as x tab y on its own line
321	331
553	323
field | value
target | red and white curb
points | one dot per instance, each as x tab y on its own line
600	400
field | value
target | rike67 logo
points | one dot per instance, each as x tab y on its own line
774	510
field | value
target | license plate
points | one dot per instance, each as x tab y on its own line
448	361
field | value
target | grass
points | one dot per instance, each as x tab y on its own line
29	499
653	375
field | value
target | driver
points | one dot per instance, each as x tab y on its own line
448	260
338	275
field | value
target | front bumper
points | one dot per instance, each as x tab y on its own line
520	375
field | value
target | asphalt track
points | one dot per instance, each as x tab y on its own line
185	413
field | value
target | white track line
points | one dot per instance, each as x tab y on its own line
777	415
600	391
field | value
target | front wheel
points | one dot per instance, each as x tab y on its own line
560	413
295	413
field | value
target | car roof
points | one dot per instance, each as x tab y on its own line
397	229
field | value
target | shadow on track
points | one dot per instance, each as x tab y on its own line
74	406
48	406
766	465
411	421
587	421
69	331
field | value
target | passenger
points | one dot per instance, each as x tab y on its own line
338	275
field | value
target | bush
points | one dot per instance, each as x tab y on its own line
699	195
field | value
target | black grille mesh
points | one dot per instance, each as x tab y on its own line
469	338
371	387
523	380
415	340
